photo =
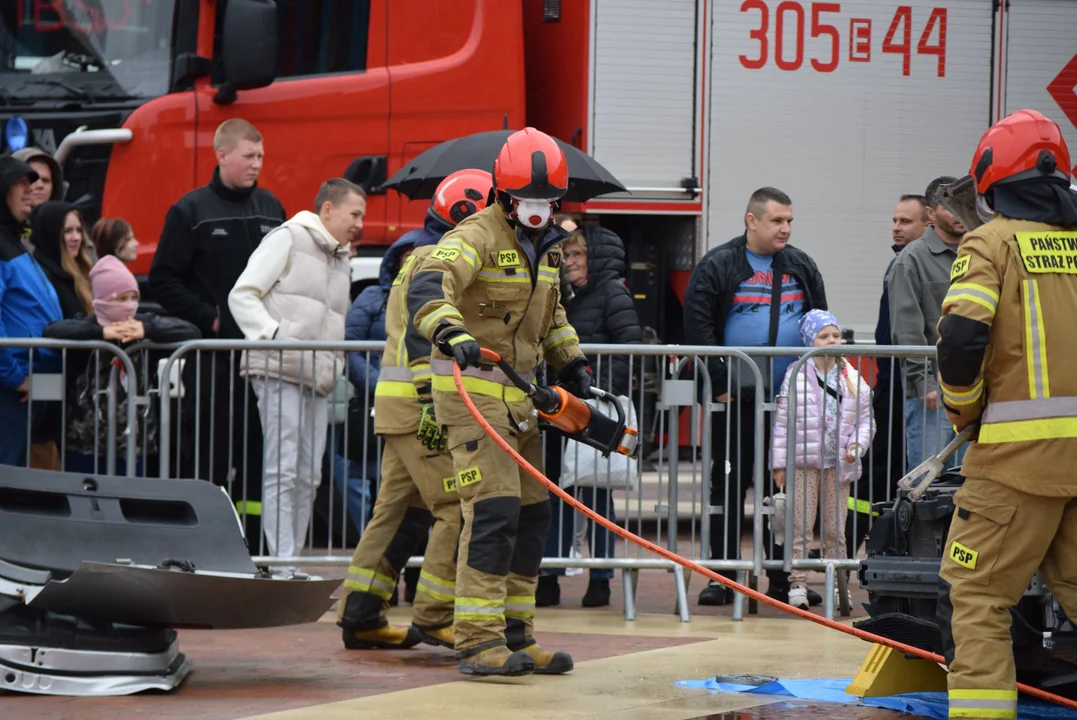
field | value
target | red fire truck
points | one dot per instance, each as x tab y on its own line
692	104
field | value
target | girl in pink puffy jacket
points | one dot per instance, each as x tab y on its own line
834	429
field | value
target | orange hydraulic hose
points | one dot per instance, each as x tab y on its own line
695	567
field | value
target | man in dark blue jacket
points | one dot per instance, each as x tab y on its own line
27	304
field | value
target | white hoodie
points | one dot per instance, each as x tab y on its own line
295	287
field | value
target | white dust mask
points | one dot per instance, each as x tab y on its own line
534	214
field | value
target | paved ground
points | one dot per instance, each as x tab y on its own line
624	670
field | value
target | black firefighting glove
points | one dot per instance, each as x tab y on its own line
576	377
431	435
464	349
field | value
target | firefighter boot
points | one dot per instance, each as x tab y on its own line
387	637
519	637
498	660
442	636
546	662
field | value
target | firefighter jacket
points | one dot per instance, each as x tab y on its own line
1006	344
502	286
404	379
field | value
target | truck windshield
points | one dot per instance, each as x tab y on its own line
88	49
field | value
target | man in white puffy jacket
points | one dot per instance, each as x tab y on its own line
296	288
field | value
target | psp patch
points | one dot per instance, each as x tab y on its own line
468	476
963	556
508	258
1048	252
446	254
960	267
449	484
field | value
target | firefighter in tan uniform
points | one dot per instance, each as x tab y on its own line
1006	348
493	282
417	483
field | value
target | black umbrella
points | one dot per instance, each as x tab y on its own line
420	178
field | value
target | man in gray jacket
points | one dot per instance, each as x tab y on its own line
917	285
296	287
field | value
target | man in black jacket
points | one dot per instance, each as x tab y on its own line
751	291
208	237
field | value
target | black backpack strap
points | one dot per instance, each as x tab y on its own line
775	302
836	394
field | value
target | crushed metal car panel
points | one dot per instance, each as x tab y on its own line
143	595
95	571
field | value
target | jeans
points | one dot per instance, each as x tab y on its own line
927	432
17	423
351	483
562	533
353	490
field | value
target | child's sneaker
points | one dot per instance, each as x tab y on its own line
798	597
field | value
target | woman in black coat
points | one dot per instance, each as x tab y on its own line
63	251
601	309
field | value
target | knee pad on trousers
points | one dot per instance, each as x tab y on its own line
362	611
493	535
531	538
412	531
944	612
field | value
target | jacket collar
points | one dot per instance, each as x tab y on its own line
934	242
317	231
235	194
741	243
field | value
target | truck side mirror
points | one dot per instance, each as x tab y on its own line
369	172
248	47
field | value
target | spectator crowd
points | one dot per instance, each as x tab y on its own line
231	264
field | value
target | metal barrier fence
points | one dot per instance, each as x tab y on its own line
664	383
706	450
228	406
66	383
219	447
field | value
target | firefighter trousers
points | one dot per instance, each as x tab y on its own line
998	538
506	518
417	486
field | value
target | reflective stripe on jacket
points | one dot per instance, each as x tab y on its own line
396	396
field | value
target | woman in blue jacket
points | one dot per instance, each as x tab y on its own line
28	303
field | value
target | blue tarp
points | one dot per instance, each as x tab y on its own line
928	704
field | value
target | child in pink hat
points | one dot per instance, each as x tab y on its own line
115	300
116	318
